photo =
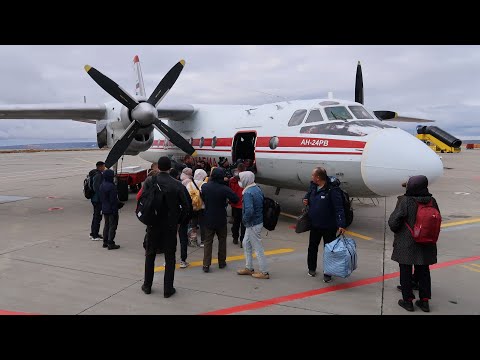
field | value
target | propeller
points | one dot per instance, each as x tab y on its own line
383	115
359	84
143	114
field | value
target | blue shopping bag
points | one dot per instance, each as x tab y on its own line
340	257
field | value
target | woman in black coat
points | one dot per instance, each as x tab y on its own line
406	251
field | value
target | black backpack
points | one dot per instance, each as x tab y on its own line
271	212
151	203
88	184
347	203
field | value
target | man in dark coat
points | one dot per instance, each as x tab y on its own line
406	251
96	203
215	195
326	216
109	200
163	234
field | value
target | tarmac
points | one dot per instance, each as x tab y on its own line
48	264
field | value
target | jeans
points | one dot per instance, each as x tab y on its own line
97	219
253	241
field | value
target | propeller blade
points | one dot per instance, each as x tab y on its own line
359	85
174	137
111	87
166	84
122	144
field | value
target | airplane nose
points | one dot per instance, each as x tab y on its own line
391	156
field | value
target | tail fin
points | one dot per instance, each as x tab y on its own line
139	86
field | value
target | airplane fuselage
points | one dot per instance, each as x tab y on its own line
370	157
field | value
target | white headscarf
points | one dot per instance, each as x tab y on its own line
247	179
199	176
186	176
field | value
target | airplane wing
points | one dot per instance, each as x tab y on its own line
175	112
88	113
393	116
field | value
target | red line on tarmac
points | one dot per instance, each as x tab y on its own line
306	294
5	312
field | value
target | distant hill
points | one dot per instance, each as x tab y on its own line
53	146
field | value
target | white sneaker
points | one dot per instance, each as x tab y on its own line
201	245
90	237
96	239
184	264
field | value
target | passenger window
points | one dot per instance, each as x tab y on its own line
314	116
337	113
360	112
297	117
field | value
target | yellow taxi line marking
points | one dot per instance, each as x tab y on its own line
475	265
230	258
358	235
455	223
471	269
288	215
347	232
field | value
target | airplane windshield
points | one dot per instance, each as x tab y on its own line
350	128
337	113
360	112
314	116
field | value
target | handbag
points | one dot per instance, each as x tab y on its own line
303	222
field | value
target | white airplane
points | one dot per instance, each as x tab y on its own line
286	140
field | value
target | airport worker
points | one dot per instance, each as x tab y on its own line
215	195
406	251
326	214
96	203
238	229
171	208
109	201
252	217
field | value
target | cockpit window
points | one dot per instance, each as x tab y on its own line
297	117
360	112
314	116
349	128
337	113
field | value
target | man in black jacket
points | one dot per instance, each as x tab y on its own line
215	195
326	215
163	234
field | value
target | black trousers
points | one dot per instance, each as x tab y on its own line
237	226
183	237
97	219
316	236
222	245
422	275
110	228
165	239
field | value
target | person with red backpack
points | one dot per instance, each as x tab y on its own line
416	224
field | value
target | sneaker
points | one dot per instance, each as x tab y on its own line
245	271
146	289
261	275
201	245
105	245
407	305
113	247
98	238
222	265
206	269
311	273
91	237
423	304
327	278
184	264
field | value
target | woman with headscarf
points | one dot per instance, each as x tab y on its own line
252	217
186	176
194	189
406	251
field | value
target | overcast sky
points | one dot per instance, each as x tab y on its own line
441	83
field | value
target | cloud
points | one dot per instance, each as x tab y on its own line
432	82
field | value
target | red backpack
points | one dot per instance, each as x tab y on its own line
427	224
